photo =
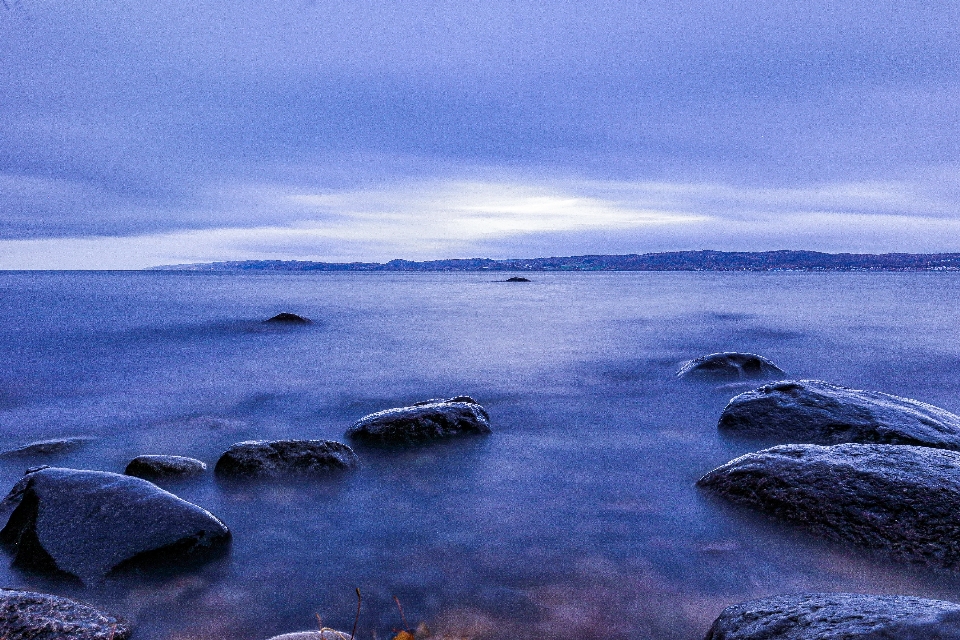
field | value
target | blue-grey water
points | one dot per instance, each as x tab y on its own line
578	517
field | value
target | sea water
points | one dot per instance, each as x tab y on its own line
578	517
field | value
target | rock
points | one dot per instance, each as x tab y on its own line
325	634
816	412
158	467
422	422
838	616
49	447
25	615
899	498
517	279
90	523
730	366
274	458
288	318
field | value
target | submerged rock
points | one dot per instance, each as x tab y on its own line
25	615
158	467
89	523
517	279
288	318
274	458
899	498
730	365
422	422
817	412
838	616
49	447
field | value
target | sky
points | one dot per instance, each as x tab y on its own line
138	133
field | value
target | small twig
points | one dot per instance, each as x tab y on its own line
113	631
319	622
357	618
403	619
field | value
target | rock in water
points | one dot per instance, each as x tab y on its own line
730	366
900	498
325	634
25	615
49	447
817	412
89	523
288	318
517	279
422	422
275	458
838	616
159	467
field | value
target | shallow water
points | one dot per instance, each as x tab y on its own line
578	517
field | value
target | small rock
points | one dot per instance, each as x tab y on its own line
25	615
517	279
898	498
838	616
422	422
325	634
730	366
817	412
274	458
49	447
90	523
288	318
158	467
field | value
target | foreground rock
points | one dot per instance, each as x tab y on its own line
275	458
422	422
325	634
730	366
288	318
164	467
812	411
49	447
903	499
89	523
836	616
25	615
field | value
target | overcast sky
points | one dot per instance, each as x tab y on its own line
137	133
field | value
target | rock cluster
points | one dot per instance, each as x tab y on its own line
25	615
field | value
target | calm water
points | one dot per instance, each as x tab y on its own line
578	517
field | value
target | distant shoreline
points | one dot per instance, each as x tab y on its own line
668	261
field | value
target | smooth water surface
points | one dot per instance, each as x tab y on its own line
578	517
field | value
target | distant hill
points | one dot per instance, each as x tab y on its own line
669	261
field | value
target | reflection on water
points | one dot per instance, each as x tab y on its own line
578	517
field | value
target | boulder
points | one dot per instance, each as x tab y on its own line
25	615
288	318
838	616
422	422
730	366
899	498
160	467
48	447
817	412
90	523
517	279
275	458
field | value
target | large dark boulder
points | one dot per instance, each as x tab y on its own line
899	498
817	412
276	458
422	422
89	523
54	446
25	615
153	467
838	616
730	366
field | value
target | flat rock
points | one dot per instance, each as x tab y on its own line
89	523
276	458
158	467
730	365
49	447
288	318
838	616
25	615
517	279
422	422
899	498
325	634
817	412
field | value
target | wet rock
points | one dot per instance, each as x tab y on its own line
53	446
275	458
898	498
517	279
90	523
422	422
288	318
25	615
730	366
160	467
836	616
817	412
325	634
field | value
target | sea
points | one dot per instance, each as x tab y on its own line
578	517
